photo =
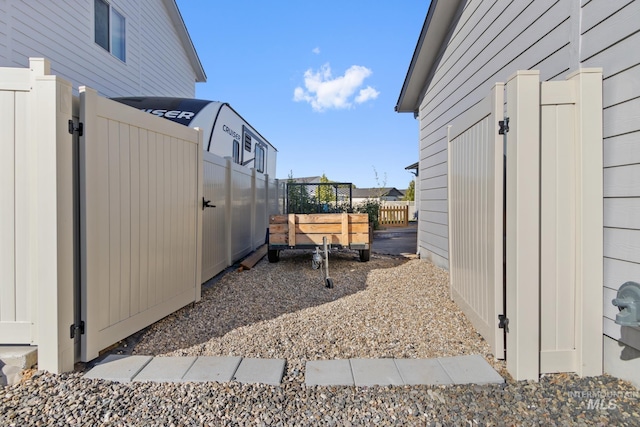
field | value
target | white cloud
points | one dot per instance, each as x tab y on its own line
316	50
324	92
366	94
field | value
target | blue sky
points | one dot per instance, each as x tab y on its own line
319	80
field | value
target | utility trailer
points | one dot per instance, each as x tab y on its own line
324	227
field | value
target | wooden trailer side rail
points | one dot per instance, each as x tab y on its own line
340	229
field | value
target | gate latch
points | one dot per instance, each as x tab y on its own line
504	126
73	128
76	328
503	322
207	204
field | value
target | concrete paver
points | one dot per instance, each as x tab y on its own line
369	372
471	369
213	368
119	368
165	369
265	371
328	372
341	372
422	371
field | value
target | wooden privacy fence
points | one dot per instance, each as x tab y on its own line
551	300
393	216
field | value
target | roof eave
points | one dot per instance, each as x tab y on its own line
435	30
185	38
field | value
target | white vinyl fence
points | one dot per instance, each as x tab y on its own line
553	288
37	269
240	201
103	220
140	200
476	216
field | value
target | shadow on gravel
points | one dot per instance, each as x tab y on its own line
239	298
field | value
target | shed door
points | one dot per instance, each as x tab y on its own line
475	186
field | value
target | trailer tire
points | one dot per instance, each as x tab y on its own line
273	255
365	255
329	283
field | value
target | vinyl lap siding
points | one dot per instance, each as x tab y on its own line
164	63
491	41
610	36
62	31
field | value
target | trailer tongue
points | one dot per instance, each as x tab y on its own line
337	228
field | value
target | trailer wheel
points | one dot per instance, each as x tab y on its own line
329	283
273	255
365	255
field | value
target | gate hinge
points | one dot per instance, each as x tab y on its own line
75	328
503	322
504	126
78	129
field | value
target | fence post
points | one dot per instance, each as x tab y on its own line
254	199
589	221
199	227
228	214
55	213
523	225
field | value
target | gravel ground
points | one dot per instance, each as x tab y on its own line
388	307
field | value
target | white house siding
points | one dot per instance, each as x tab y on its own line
491	41
610	39
63	32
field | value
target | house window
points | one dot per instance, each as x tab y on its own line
236	151
110	28
259	158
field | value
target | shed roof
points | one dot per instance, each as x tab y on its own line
436	30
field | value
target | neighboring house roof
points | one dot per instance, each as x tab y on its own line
436	30
374	193
185	38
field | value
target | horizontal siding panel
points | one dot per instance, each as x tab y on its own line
622	244
621	87
617	272
622	181
500	43
616	58
473	90
435	217
47	29
622	150
629	336
437	229
436	159
622	213
594	12
434	206
437	147
542	36
436	182
435	244
622	118
433	194
617	27
608	309
437	170
477	28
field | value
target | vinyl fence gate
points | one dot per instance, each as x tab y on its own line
529	260
100	216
